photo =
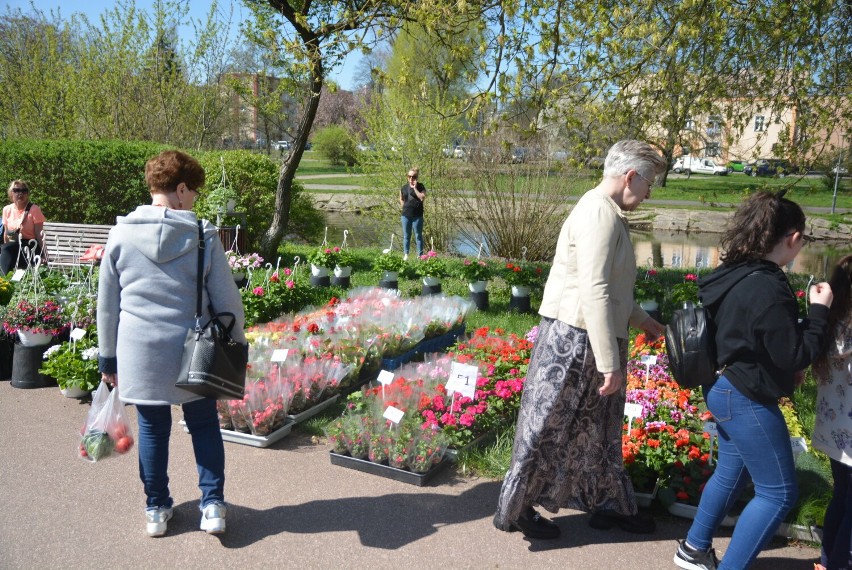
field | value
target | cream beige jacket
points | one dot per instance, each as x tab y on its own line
590	285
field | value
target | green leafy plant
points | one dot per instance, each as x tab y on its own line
7	291
345	258
389	262
523	274
431	265
647	288
324	257
472	270
74	364
687	291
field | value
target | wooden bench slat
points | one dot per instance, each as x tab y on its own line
67	242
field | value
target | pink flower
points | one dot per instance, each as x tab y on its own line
448	419
290	284
800	293
690	277
652	272
466	420
287	271
258	291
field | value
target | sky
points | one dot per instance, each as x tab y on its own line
343	75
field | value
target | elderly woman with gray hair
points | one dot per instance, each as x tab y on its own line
567	449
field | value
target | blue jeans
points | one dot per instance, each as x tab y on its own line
155	427
407	225
753	443
837	530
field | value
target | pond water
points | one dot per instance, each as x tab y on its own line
660	249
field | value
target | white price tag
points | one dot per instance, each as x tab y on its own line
799	445
19	274
393	414
648	359
279	355
385	377
77	334
633	410
463	379
710	429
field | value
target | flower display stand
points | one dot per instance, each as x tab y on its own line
382	470
320	280
520	304
430	289
25	365
437	344
7	351
480	299
342	281
800	532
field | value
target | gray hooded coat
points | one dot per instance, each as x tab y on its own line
147	295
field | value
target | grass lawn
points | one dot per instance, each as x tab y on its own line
312	163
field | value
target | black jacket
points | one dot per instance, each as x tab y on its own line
759	338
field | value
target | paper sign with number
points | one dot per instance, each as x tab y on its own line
393	414
463	379
77	334
632	411
648	359
799	445
710	428
385	377
279	355
19	274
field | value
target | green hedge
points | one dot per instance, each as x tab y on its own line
92	182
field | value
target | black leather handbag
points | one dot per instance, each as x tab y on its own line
214	364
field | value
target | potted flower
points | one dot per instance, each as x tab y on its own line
522	277
431	268
74	365
647	291
476	272
390	264
241	263
345	260
36	320
687	291
323	260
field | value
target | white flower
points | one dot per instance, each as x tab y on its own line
90	353
51	350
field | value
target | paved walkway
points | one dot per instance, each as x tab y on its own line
289	508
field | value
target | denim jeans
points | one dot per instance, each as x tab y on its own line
155	427
753	442
407	225
837	530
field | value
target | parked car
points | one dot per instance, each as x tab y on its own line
841	170
735	166
694	165
769	167
460	152
520	154
281	145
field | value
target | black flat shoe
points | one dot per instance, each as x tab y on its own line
533	525
638	523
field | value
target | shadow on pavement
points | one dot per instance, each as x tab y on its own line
387	522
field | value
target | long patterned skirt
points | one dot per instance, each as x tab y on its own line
567	449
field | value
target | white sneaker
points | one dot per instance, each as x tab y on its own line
405	257
213	518
157	520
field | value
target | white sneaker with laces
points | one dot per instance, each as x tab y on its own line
157	520
213	518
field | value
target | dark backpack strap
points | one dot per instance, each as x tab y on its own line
200	280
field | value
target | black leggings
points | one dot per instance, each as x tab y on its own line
9	256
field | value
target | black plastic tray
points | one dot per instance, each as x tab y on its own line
402	475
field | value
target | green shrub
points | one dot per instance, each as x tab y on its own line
92	182
335	144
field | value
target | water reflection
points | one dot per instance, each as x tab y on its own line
659	248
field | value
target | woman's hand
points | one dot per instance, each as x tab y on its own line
111	379
612	383
821	293
652	328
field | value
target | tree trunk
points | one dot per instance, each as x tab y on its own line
284	192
